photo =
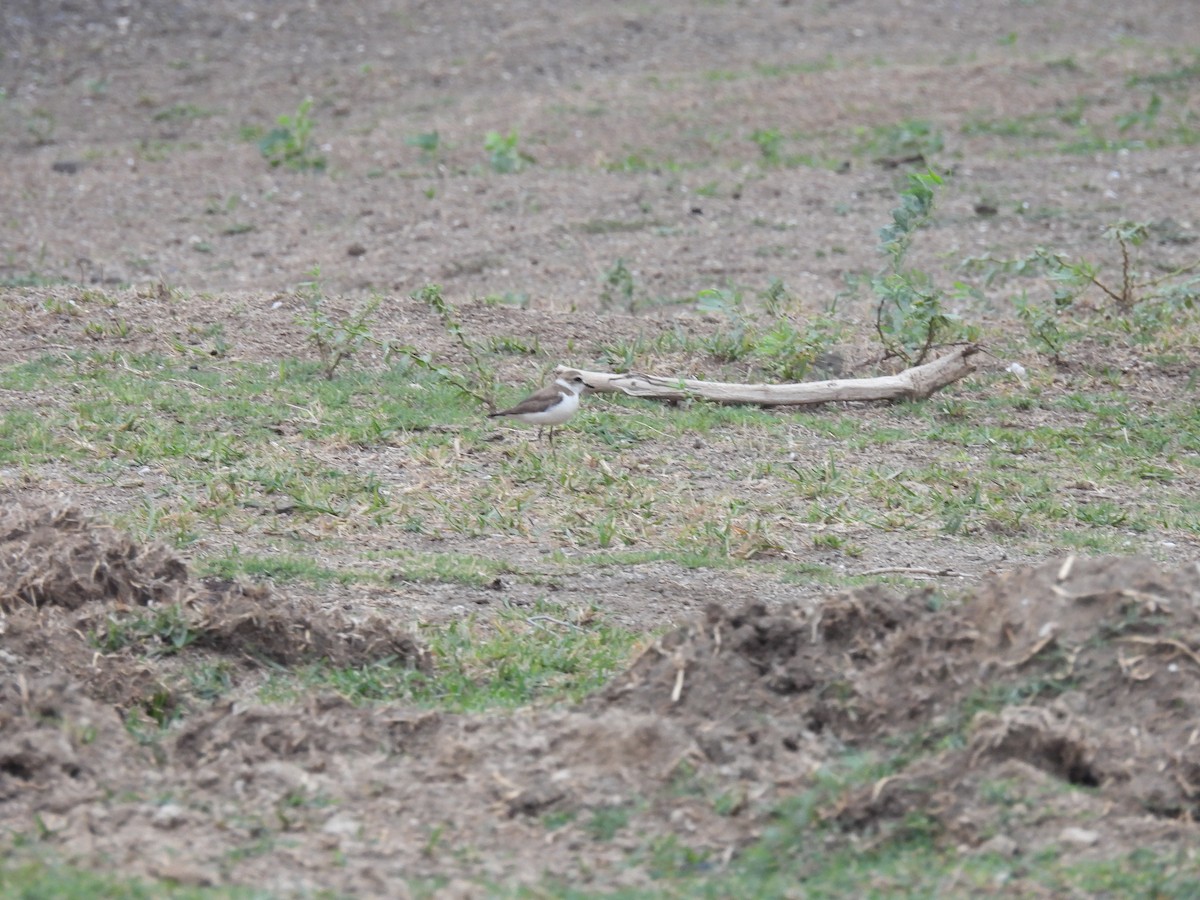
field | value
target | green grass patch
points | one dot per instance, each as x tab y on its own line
911	863
234	438
281	568
31	879
906	857
160	631
31	279
542	653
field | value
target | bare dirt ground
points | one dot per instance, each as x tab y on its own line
709	729
122	128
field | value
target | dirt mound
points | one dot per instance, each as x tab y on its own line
234	619
757	656
81	598
1085	670
50	555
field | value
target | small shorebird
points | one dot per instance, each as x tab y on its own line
552	405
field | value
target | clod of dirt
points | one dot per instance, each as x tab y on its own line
57	745
1086	672
755	659
50	555
252	621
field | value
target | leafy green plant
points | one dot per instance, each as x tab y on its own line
770	142
210	680
1074	278
290	142
790	351
428	142
1045	324
736	340
910	317
335	340
786	348
504	155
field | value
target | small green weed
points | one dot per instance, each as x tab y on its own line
428	142
785	341
208	681
769	142
1142	118
290	143
606	821
335	340
1046	325
504	154
910	141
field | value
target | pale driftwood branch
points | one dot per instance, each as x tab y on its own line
912	384
909	570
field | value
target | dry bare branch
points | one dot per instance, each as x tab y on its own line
916	383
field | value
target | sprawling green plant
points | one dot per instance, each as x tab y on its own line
784	341
1141	305
479	382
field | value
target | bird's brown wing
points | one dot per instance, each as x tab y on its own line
538	401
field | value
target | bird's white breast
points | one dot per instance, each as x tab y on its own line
555	415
